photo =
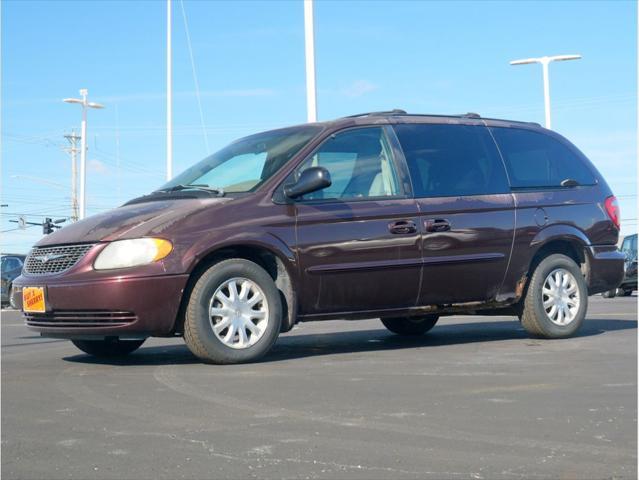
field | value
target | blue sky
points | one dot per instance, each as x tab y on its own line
435	57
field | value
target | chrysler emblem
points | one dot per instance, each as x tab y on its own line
48	257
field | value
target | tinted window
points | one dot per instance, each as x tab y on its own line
534	159
11	263
360	163
629	245
452	160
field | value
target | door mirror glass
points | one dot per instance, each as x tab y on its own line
311	180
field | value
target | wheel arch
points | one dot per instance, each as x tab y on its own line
279	265
563	239
560	238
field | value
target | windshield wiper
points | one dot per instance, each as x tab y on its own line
194	186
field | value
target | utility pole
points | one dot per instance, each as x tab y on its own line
545	61
309	46
169	93
83	145
73	150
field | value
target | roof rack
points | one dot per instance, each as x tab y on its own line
472	115
395	111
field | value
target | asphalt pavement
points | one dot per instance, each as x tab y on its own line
473	399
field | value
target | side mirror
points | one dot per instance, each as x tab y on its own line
311	180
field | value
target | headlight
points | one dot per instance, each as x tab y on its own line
131	253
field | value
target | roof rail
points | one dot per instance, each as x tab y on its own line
395	111
471	115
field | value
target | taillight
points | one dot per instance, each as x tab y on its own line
612	209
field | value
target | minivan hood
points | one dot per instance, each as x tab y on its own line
131	221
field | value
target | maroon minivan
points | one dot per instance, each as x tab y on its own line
403	217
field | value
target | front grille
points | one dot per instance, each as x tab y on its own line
47	260
80	318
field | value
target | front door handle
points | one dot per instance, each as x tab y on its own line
437	225
402	227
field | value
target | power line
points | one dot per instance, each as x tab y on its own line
197	84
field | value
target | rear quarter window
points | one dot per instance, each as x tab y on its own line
534	159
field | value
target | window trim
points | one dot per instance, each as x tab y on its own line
403	179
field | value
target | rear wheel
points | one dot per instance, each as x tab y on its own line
109	347
234	313
627	293
557	298
609	294
410	326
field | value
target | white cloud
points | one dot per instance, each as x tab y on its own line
358	88
96	166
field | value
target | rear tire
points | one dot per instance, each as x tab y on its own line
108	348
627	293
609	294
557	298
225	299
411	326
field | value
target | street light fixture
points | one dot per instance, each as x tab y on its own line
83	144
545	61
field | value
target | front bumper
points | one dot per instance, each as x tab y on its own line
605	268
118	306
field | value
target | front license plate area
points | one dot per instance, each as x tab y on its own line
33	300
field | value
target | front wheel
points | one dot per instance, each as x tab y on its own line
411	326
233	314
557	298
108	347
12	303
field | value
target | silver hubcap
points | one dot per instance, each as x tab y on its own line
239	313
560	296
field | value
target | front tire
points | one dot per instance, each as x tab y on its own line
108	348
12	304
557	298
411	326
234	313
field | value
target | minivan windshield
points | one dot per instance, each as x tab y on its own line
245	164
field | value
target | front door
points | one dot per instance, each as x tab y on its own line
358	239
467	213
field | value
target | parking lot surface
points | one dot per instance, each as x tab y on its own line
475	398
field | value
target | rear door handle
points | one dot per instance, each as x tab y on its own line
402	227
437	225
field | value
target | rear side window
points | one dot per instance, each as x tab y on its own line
534	159
452	160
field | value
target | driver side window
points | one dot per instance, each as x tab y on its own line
360	163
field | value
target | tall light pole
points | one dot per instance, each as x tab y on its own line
309	44
83	144
169	93
545	61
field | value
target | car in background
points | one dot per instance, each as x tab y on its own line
11	268
629	283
